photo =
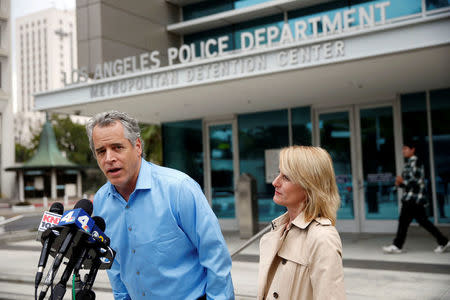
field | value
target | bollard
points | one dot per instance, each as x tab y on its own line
45	202
66	200
2	227
247	202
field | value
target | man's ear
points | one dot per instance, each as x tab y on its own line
139	146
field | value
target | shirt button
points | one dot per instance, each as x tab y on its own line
143	294
129	228
283	261
134	251
275	295
138	273
127	206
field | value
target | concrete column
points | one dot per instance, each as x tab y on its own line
53	184
21	187
79	184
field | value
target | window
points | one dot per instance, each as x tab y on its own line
396	9
440	110
259	132
186	135
414	119
301	126
436	4
233	32
207	8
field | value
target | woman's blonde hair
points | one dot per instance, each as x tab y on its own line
312	168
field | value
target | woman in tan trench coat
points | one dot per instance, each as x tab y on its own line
301	258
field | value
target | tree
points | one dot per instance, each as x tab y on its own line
72	139
152	138
24	153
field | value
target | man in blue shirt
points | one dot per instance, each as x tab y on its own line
168	241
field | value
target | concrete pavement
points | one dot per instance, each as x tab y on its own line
369	274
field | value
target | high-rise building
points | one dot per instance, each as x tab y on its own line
233	81
6	114
46	52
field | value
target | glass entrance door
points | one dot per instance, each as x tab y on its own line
378	167
335	133
221	172
361	143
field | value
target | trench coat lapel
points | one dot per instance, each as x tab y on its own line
269	246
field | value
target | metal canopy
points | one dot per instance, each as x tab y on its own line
47	155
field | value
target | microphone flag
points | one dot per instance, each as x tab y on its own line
88	231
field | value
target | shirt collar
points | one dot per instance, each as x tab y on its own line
412	158
144	178
145	174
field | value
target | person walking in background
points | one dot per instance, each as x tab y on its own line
414	201
167	239
301	257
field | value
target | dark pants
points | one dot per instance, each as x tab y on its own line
202	297
416	211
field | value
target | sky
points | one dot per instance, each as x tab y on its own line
25	7
21	8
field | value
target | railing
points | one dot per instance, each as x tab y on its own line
251	240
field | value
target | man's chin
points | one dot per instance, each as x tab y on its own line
115	180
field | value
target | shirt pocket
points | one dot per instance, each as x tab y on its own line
172	244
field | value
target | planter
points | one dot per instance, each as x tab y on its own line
22	208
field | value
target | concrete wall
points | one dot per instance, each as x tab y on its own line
110	29
6	123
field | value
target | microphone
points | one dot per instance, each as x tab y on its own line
79	253
50	218
56	210
105	256
69	230
77	281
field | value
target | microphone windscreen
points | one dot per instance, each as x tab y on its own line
57	208
99	222
86	205
85	294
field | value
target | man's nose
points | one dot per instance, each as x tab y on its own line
110	156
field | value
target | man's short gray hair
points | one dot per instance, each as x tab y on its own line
131	128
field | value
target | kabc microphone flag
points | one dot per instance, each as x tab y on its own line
50	218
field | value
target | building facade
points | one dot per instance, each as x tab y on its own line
46	55
232	82
6	110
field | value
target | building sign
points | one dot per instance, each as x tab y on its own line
297	31
380	178
221	70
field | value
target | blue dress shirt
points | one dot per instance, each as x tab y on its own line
167	239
